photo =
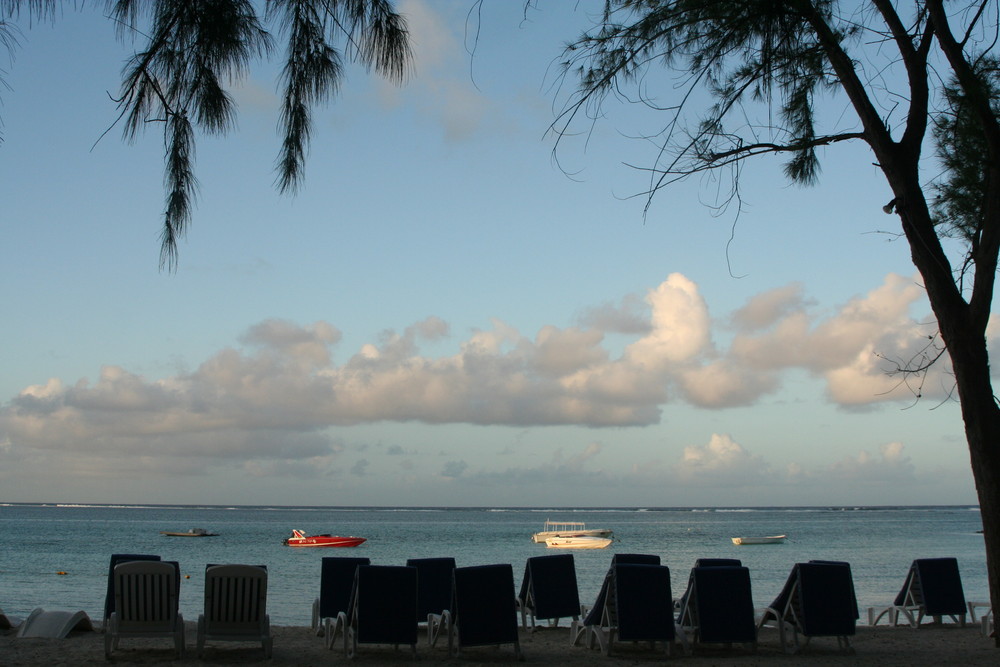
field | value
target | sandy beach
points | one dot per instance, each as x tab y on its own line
883	646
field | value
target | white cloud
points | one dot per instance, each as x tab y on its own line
721	461
272	399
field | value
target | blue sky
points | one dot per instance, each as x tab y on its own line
447	313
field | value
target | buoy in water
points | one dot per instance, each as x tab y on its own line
61	572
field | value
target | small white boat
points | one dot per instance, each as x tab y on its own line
770	539
578	542
568	529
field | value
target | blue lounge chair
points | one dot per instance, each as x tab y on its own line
549	590
718	606
681	603
383	608
235	606
109	599
335	584
592	617
483	610
435	579
933	587
817	600
145	604
638	607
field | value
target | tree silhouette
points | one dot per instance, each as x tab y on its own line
753	74
188	51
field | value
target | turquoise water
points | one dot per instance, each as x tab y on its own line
37	541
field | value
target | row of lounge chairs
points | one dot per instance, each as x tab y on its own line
360	603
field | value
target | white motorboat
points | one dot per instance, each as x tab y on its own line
568	529
578	542
770	539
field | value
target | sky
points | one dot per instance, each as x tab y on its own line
455	309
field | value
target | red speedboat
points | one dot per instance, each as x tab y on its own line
300	539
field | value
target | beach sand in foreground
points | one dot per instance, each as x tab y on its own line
882	646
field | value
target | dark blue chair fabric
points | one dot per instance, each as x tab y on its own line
826	600
434	583
723	605
483	609
384	604
109	600
940	586
549	589
594	615
336	582
642	603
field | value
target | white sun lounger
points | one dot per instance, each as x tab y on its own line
56	623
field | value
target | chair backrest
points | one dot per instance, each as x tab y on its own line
597	609
146	595
483	608
940	586
434	582
826	601
109	599
640	604
701	562
718	562
384	604
550	587
635	559
235	599
335	584
842	563
724	604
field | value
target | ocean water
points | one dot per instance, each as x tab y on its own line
37	542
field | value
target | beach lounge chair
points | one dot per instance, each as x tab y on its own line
435	579
681	603
549	590
335	583
933	587
483	609
53	624
817	600
109	599
8	622
638	607
383	608
235	606
717	607
145	604
592	615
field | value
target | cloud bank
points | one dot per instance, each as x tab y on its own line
271	397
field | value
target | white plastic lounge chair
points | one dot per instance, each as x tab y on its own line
235	606
56	623
146	595
932	588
